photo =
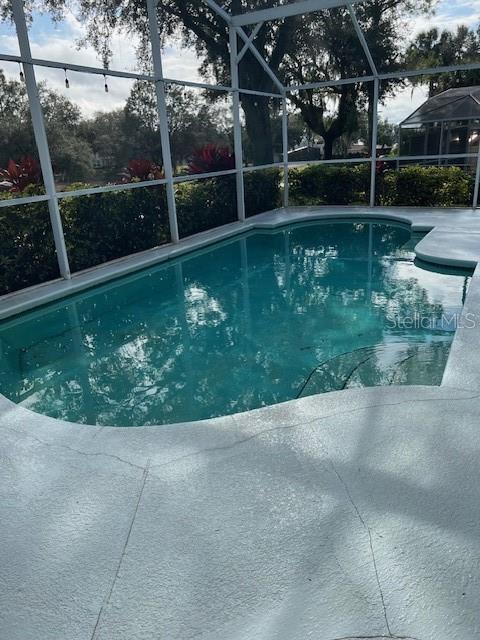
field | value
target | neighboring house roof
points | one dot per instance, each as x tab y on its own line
453	104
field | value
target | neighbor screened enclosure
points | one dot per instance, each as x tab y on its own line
201	151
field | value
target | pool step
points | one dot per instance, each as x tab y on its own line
379	365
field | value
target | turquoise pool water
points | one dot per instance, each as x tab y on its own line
262	318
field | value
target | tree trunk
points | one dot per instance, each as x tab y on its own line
259	147
328	149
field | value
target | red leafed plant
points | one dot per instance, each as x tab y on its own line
141	169
211	158
19	175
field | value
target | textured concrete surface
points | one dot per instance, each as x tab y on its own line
353	514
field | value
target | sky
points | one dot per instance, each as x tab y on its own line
58	42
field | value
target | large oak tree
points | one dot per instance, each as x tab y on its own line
316	47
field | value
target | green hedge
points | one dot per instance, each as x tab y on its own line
205	204
262	191
425	187
105	226
327	184
212	202
408	186
412	186
27	252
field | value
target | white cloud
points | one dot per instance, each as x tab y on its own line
180	64
8	42
448	15
87	91
403	103
59	42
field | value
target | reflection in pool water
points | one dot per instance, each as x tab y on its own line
263	318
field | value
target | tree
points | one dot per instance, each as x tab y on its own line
72	140
436	48
320	55
141	125
62	119
297	131
327	48
115	137
72	158
16	134
293	49
194	120
196	25
387	133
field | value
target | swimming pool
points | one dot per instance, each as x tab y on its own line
264	317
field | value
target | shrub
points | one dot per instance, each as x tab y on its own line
324	184
20	175
425	187
262	191
212	202
140	170
27	251
105	226
211	158
205	204
409	186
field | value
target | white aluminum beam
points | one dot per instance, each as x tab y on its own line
477	180
262	167
439	156
163	117
363	42
127	186
410	73
237	126
284	11
122	74
201	176
197	85
19	201
261	60
261	93
329	83
406	73
285	150
251	38
53	64
41	138
303	163
9	58
373	170
124	186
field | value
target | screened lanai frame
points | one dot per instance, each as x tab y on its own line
236	24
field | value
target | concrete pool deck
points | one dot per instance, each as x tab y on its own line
352	514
